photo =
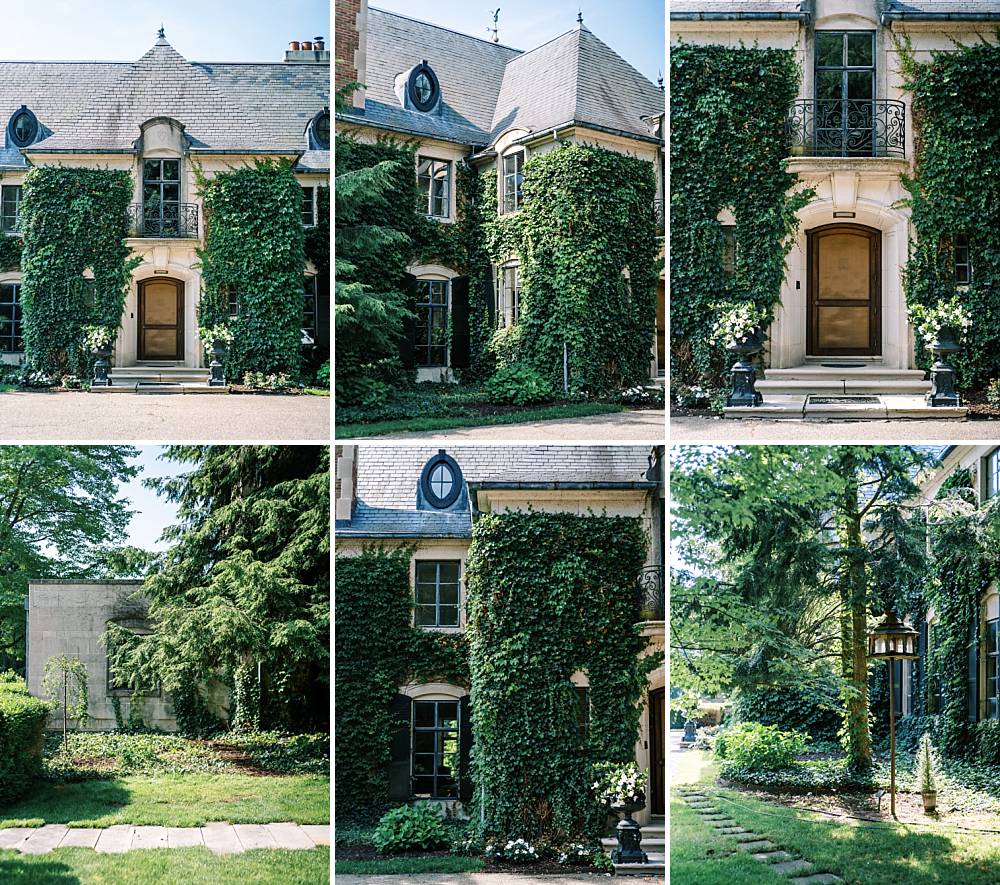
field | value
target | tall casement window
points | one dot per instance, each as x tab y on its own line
845	92
991	465
583	711
961	260
513	179
308	206
437	593
436	750
431	348
509	294
434	183
10	208
11	340
992	668
729	249
161	198
309	308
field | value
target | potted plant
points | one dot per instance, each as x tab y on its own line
738	328
621	787
99	340
940	327
925	774
217	339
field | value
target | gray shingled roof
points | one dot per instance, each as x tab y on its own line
387	478
99	106
486	88
945	7
753	7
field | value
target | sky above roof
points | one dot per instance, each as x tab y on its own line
635	30
152	512
122	30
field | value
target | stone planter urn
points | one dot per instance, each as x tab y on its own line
744	375
943	391
930	801
217	373
690	732
628	832
102	366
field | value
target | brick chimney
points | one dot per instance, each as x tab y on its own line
351	47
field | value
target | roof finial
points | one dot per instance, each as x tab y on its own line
579	16
160	34
659	79
495	30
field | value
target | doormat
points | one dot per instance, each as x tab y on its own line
844	401
844	365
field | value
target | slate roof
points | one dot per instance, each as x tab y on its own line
686	9
945	7
738	7
225	107
487	87
387	478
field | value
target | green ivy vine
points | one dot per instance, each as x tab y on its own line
73	219
727	150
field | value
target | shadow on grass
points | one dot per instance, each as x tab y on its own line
67	803
35	872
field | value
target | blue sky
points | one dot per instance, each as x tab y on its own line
152	512
633	28
122	30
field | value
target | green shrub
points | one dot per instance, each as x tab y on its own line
518	385
22	730
323	374
409	828
988	742
813	709
814	776
993	393
759	747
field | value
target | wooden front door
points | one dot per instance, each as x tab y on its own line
657	750
844	290
161	320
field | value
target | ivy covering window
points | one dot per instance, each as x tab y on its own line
232	300
10	318
434	183
993	473
513	179
432	323
436	750
509	288
437	593
10	208
308	206
583	711
992	668
962	260
309	308
729	249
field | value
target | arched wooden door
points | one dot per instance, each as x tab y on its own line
161	320
844	290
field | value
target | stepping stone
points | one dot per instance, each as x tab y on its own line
11	836
290	836
254	836
80	837
774	857
818	879
43	839
319	833
792	867
221	838
149	837
732	831
184	837
116	839
747	837
722	823
762	845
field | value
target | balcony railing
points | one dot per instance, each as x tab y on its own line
846	128
650	591
169	221
661	221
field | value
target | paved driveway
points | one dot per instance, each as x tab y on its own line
91	417
709	430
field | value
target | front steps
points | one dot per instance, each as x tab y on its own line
158	378
830	392
653	843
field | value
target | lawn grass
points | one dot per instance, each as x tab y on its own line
547	413
176	800
861	853
403	865
317	391
166	866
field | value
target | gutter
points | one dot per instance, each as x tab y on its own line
902	16
801	17
360	121
552	132
557	485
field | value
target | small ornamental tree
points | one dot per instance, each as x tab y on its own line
65	682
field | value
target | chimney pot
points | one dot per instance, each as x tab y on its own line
294	45
307	45
319	44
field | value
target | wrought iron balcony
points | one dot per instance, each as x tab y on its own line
650	591
167	221
846	128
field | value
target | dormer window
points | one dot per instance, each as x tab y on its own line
441	481
23	127
423	88
320	129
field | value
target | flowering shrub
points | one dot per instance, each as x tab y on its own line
514	850
736	321
618	783
650	395
218	332
97	337
576	853
35	379
260	381
930	320
71	382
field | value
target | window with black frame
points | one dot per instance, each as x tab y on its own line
845	94
11	329
437	591
583	710
436	749
992	472
10	208
513	180
961	260
992	668
729	249
431	346
434	184
308	206
309	308
161	198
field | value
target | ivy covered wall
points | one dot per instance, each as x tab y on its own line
956	190
545	599
73	219
255	246
727	147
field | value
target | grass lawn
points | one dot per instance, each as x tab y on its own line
861	853
317	391
403	865
176	800
160	866
545	413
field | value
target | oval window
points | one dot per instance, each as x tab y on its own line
23	127
441	481
321	130
423	87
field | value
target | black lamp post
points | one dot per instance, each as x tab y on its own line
889	641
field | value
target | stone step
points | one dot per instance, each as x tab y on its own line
641	869
159	387
844	388
779	406
649	843
824	373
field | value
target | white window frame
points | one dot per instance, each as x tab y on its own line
508	297
428	192
513	155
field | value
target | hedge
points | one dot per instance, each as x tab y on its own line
22	727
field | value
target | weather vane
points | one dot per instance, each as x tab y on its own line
495	30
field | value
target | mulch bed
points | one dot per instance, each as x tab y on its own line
979	409
366	851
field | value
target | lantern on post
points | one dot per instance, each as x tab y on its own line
890	641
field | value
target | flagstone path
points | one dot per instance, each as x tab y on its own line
220	838
799	871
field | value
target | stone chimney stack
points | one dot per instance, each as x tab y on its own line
302	51
351	46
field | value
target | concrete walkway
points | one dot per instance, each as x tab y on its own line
487	879
748	430
640	426
220	838
85	417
